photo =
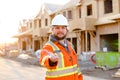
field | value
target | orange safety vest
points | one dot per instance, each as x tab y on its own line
67	66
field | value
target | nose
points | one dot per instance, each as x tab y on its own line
61	29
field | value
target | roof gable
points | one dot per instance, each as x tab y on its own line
71	3
49	8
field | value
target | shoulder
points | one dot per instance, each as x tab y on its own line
47	47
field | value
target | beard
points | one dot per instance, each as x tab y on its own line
60	38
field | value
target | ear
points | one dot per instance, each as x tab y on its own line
67	29
52	29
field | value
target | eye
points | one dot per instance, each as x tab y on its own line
56	28
60	27
63	27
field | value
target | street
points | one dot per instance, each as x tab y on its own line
15	70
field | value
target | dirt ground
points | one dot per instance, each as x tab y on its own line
103	74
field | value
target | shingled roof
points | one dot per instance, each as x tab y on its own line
71	3
50	8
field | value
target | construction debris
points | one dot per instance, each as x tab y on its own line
117	74
24	56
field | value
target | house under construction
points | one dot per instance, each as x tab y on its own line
93	25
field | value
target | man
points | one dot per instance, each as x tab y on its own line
58	55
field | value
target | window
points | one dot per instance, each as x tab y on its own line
27	24
23	28
89	10
30	24
46	22
119	6
69	14
39	23
88	42
80	12
35	23
108	6
74	42
23	45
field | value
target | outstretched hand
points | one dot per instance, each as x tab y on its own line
53	58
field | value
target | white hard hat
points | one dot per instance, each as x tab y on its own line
59	20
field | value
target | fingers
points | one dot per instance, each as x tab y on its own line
54	58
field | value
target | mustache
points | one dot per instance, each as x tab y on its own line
60	38
61	33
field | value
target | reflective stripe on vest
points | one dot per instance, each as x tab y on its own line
61	70
79	72
57	52
43	60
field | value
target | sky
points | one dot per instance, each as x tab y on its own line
13	11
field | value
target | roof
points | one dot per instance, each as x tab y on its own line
115	17
75	28
26	33
50	8
107	20
103	21
71	3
